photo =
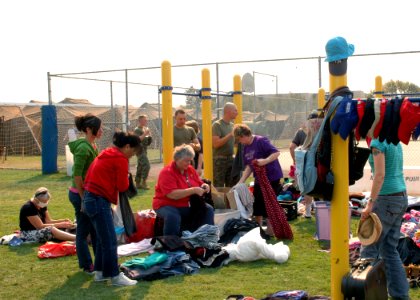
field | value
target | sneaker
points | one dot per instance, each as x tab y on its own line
99	276
122	280
89	270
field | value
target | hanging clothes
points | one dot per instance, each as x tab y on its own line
278	220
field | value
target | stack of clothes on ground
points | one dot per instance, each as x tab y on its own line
173	255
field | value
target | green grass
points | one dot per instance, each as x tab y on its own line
24	276
34	162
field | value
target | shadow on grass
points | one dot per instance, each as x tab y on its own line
56	177
81	286
24	249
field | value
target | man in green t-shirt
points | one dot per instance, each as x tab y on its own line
143	164
184	134
223	144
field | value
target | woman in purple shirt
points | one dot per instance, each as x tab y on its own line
266	154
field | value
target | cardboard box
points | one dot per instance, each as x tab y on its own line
223	198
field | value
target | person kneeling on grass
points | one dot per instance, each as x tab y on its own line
36	224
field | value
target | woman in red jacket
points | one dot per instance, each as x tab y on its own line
177	182
106	177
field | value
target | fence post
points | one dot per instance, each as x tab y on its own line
206	125
49	139
167	119
340	198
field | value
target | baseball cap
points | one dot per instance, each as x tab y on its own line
392	136
368	118
377	113
378	127
313	115
387	120
345	118
410	118
360	112
337	49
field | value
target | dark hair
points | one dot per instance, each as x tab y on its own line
193	124
142	117
179	111
121	138
88	121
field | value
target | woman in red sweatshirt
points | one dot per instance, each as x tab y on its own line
106	177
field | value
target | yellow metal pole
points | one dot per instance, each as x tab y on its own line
206	126
321	98
237	97
167	121
339	204
378	87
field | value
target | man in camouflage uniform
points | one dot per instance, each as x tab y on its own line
223	144
143	165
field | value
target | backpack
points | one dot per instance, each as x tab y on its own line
306	166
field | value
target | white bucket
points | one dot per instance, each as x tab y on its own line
222	215
69	161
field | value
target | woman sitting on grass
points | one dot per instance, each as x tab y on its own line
36	224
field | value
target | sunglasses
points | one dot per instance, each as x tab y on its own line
41	193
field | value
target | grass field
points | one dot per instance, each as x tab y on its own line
24	276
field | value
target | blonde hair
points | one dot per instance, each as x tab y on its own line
42	193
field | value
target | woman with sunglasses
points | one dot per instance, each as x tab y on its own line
36	224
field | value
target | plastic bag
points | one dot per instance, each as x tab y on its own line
52	250
127	215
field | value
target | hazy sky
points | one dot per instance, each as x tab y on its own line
74	36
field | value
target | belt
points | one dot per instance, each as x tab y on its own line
223	156
395	194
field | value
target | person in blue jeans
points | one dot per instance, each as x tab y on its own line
84	151
106	178
388	200
177	182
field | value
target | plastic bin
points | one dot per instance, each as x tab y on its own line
222	215
69	161
323	220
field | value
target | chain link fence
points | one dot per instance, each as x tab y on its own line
277	98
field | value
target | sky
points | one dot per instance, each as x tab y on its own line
79	36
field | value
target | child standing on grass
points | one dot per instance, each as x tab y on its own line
106	177
84	151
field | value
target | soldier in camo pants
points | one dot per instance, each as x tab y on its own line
143	165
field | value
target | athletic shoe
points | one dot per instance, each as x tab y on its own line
99	276
122	280
90	270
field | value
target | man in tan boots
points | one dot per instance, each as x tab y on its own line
143	164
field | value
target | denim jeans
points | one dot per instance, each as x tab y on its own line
176	219
83	229
390	210
99	211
